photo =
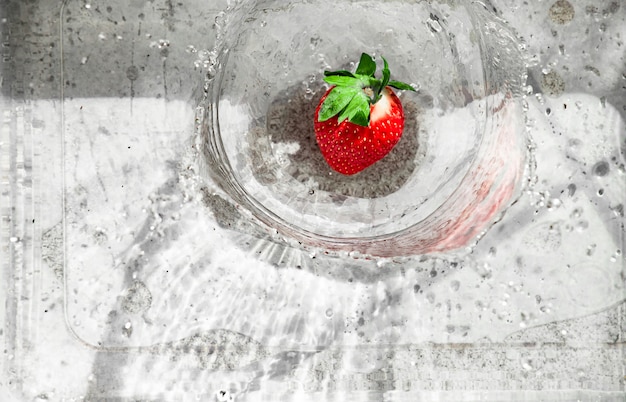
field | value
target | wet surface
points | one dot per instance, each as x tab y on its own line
128	278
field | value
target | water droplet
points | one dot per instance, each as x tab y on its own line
600	192
127	329
87	6
132	73
576	213
433	24
601	169
84	60
581	226
548	111
430	297
545	309
163	43
527	364
591	249
540	98
102	36
553	203
223	396
571	189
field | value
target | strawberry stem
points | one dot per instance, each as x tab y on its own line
353	93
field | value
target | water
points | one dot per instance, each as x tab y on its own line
146	268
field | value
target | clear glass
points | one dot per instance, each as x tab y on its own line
462	157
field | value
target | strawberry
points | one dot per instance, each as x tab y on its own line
359	119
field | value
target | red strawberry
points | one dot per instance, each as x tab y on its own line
359	119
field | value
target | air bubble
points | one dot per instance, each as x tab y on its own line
329	313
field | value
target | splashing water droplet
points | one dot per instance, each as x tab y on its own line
527	364
582	226
591	249
433	24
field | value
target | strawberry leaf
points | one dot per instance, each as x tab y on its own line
357	111
336	101
401	85
366	66
342	81
382	84
352	94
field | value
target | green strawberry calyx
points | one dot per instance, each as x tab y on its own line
353	93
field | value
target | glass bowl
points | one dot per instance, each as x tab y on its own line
459	164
